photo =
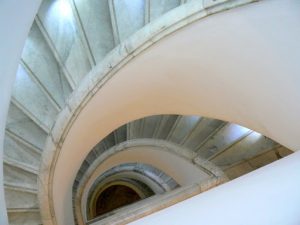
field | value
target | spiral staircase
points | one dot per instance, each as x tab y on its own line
66	41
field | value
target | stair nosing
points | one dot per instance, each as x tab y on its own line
20	188
20	165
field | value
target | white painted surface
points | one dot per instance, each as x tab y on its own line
180	169
15	20
174	160
241	66
268	196
158	158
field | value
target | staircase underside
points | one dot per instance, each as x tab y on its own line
70	40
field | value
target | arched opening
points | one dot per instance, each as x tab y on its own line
111	196
121	186
114	197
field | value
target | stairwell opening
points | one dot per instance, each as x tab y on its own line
114	197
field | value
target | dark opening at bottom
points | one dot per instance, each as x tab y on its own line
115	197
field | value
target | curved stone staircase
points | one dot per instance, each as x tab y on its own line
234	149
67	39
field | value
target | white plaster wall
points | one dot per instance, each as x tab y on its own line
15	21
268	196
162	160
174	160
170	163
240	66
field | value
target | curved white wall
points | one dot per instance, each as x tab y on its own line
241	66
15	21
165	161
267	196
175	161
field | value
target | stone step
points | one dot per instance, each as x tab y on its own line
40	59
223	139
20	165
20	198
19	176
20	188
20	125
41	110
19	152
23	216
157	8
129	16
95	21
